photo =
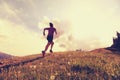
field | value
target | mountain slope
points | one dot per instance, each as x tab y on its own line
74	65
4	55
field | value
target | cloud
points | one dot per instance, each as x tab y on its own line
3	38
20	12
62	27
9	12
87	27
66	40
20	40
69	42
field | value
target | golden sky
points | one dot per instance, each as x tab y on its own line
81	24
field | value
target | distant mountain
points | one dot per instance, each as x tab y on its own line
4	55
101	50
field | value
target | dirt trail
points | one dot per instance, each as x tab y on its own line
7	66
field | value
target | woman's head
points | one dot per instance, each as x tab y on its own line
51	24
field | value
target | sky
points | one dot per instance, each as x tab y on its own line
81	24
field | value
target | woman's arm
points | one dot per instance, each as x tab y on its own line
44	31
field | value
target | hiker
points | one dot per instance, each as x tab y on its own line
51	30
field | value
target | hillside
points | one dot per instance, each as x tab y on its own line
98	64
4	55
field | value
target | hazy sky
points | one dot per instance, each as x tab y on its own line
81	24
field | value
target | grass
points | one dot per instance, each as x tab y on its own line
72	65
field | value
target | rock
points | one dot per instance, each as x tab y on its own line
116	43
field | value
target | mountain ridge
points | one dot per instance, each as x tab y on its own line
5	55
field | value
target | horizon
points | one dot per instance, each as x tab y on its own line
84	25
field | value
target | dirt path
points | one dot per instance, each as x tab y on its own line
7	66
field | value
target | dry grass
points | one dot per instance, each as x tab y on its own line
65	66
